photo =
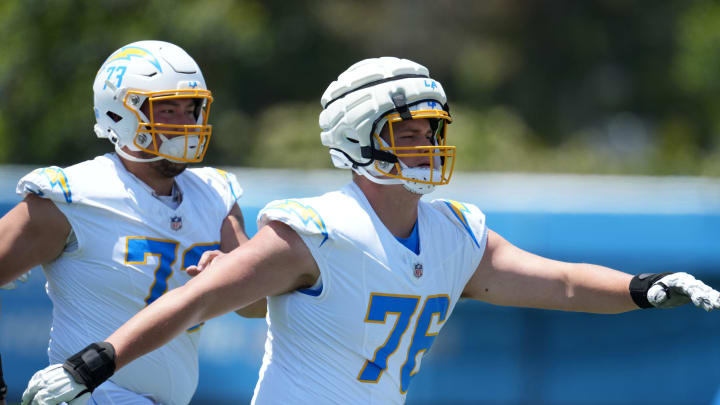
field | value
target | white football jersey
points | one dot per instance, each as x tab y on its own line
359	338
131	248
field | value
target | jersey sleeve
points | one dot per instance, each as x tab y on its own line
300	215
224	182
234	190
466	216
51	182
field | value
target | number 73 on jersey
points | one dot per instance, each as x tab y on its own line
139	248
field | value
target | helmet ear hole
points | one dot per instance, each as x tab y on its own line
113	116
349	135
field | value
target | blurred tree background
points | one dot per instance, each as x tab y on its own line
606	86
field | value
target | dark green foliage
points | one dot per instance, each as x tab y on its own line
599	86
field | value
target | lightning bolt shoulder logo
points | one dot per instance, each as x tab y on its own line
307	215
56	177
459	209
230	183
128	52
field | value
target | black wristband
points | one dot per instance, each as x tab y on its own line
92	365
639	286
3	387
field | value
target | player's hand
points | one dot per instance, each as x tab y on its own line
53	385
681	288
11	285
205	260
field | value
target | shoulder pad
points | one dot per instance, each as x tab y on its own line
298	214
467	216
221	179
48	182
232	183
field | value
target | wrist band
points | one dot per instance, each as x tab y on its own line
639	286
92	365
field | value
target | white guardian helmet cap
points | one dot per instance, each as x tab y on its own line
145	73
383	91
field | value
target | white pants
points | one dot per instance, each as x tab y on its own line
109	393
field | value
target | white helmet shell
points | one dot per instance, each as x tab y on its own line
359	102
140	71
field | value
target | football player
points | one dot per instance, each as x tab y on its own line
361	280
115	233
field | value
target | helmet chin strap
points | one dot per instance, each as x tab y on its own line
410	174
374	176
170	146
132	158
416	173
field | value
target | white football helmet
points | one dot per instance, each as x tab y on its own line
151	72
379	91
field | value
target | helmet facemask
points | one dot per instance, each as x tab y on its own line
430	165
128	89
181	143
385	92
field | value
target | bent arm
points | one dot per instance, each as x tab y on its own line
32	233
232	235
273	262
510	276
232	230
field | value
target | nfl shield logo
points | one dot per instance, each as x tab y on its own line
176	223
418	270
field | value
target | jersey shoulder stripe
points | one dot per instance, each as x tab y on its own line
47	180
71	184
299	214
222	180
465	215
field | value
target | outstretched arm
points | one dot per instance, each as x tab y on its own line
273	262
511	276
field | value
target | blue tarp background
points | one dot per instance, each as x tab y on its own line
493	355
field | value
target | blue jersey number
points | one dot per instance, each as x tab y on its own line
403	306
191	256
139	248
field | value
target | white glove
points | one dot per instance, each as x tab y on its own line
11	285
678	289
53	385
